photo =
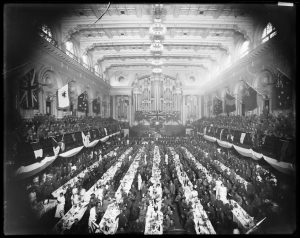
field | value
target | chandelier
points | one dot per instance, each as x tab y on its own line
157	32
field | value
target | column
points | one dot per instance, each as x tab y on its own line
114	107
42	102
130	111
237	104
183	109
91	113
200	106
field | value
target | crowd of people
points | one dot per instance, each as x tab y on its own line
62	170
45	126
97	207
264	196
282	125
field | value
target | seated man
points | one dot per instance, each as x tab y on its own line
75	229
166	223
100	212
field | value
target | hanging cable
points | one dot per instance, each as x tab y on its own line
103	13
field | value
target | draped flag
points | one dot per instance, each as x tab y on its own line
249	98
96	106
229	103
217	106
63	100
29	91
83	102
283	92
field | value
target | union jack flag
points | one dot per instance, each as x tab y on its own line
29	91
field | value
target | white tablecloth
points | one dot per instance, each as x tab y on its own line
109	223
224	168
63	188
154	220
113	210
202	223
241	217
68	219
239	214
198	165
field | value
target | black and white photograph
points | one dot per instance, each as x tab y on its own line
149	118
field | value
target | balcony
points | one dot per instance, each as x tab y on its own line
70	55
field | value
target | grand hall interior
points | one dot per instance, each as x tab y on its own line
149	119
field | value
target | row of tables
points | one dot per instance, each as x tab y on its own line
63	188
240	216
201	220
109	222
227	170
77	211
154	216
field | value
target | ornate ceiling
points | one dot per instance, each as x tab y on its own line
198	36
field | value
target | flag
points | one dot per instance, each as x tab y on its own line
249	98
229	103
217	106
29	91
283	92
96	106
63	100
83	102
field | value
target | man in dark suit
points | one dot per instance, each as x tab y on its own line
122	219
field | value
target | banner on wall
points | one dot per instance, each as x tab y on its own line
63	100
249	98
229	103
96	106
83	104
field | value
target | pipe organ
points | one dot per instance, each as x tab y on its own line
157	93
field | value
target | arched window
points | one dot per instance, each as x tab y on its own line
268	32
244	48
70	49
46	33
